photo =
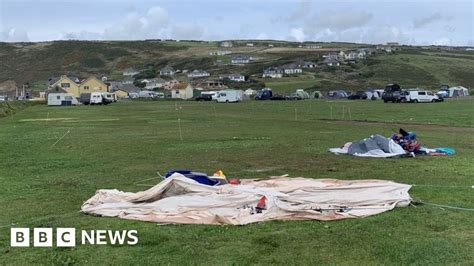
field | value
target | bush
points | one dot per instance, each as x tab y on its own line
92	63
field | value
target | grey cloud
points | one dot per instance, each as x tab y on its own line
14	35
187	31
337	20
421	22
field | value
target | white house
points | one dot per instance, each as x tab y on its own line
249	44
306	64
130	72
167	71
312	46
233	77
273	72
331	62
240	59
198	74
221	52
292	69
226	44
153	83
182	93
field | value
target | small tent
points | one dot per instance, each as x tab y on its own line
338	94
316	95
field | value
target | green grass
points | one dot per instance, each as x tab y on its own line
118	145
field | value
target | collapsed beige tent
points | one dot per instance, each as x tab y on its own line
179	199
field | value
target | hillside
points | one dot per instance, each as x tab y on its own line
35	62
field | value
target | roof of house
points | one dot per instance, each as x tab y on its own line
167	69
328	60
130	70
273	70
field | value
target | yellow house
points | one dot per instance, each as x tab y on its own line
121	93
91	84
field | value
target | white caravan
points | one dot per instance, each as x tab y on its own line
61	99
229	96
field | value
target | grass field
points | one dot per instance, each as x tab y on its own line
46	174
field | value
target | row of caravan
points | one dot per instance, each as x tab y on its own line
94	98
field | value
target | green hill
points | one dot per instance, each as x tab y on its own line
413	67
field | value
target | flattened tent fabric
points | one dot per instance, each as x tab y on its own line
374	146
178	199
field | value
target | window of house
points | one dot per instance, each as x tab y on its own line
65	85
58	97
177	91
86	87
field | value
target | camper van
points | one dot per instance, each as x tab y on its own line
229	96
110	96
146	94
421	96
93	98
61	99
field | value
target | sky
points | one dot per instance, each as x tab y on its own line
415	22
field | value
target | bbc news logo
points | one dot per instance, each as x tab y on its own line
66	237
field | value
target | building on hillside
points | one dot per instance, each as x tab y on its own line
273	72
335	56
240	59
306	64
153	83
130	72
221	52
91	84
233	77
123	90
168	85
226	44
182	91
331	62
167	71
209	85
128	80
312	46
292	69
249	44
198	74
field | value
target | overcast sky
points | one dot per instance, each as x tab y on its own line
443	22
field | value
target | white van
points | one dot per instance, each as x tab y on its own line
421	96
229	96
146	94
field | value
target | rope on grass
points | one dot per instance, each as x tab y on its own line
57	141
442	206
416	185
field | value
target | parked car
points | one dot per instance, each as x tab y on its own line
204	97
421	96
3	98
360	95
392	93
294	96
